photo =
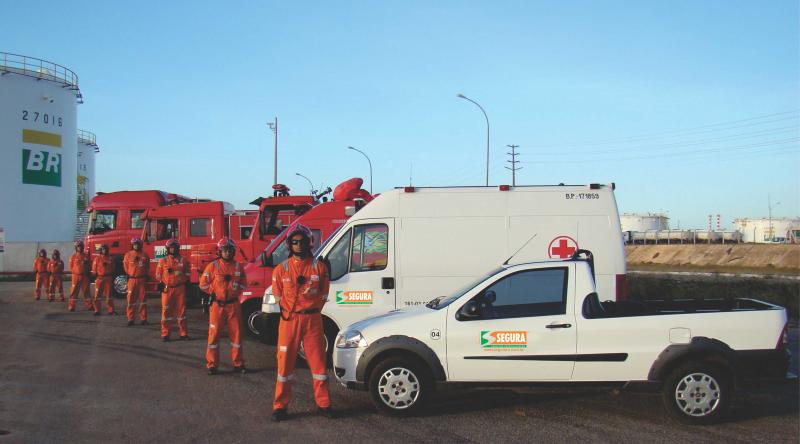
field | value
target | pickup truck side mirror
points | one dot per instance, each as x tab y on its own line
470	310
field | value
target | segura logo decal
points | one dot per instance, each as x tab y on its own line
354	297
504	340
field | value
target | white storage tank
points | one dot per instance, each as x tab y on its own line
644	222
87	148
758	230
38	160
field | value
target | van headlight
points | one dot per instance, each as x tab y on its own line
351	339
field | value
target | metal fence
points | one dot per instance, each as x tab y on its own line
39	69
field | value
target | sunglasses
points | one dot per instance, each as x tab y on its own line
298	241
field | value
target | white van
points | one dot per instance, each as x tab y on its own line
411	245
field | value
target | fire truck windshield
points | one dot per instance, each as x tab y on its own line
101	221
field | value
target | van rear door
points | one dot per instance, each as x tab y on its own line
362	271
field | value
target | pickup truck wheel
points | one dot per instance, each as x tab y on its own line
120	286
697	393
399	386
251	314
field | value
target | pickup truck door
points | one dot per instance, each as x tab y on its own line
362	272
526	334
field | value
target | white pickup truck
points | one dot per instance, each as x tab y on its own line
542	322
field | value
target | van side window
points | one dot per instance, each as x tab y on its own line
244	231
370	248
339	257
200	227
136	219
541	292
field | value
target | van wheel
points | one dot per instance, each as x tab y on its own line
120	286
697	393
399	386
251	314
330	339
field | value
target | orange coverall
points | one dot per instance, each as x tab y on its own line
103	267
40	267
301	321
79	267
136	265
56	269
173	272
225	280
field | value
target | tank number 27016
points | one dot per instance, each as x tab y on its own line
579	196
45	118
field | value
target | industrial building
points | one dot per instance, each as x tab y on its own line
48	167
765	230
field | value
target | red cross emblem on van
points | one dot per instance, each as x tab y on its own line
562	247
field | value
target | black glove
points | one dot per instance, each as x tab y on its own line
160	287
227	278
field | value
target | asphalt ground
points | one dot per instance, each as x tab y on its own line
73	377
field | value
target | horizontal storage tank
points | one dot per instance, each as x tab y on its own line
643	222
38	137
766	230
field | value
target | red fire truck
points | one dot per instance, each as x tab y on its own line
323	220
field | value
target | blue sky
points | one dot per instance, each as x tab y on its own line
690	107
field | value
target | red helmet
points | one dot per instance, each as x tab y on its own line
173	243
226	242
42	251
136	240
301	230
56	253
79	244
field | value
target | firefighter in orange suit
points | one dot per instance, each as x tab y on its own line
301	283
136	264
224	280
80	267
40	268
56	269
103	269
172	274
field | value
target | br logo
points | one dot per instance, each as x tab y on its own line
41	168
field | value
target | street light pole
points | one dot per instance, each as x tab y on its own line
370	165
313	191
274	127
487	133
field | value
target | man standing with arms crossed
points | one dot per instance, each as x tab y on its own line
136	265
224	280
302	285
172	274
103	269
80	268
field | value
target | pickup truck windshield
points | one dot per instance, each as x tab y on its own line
444	301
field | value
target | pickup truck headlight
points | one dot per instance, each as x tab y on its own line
351	339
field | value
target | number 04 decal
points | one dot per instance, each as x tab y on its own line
436	334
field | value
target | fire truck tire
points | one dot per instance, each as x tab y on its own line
251	316
120	286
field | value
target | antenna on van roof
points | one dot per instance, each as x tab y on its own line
520	248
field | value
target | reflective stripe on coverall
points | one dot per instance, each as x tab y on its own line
40	267
56	269
173	272
103	267
136	265
296	327
79	267
225	311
